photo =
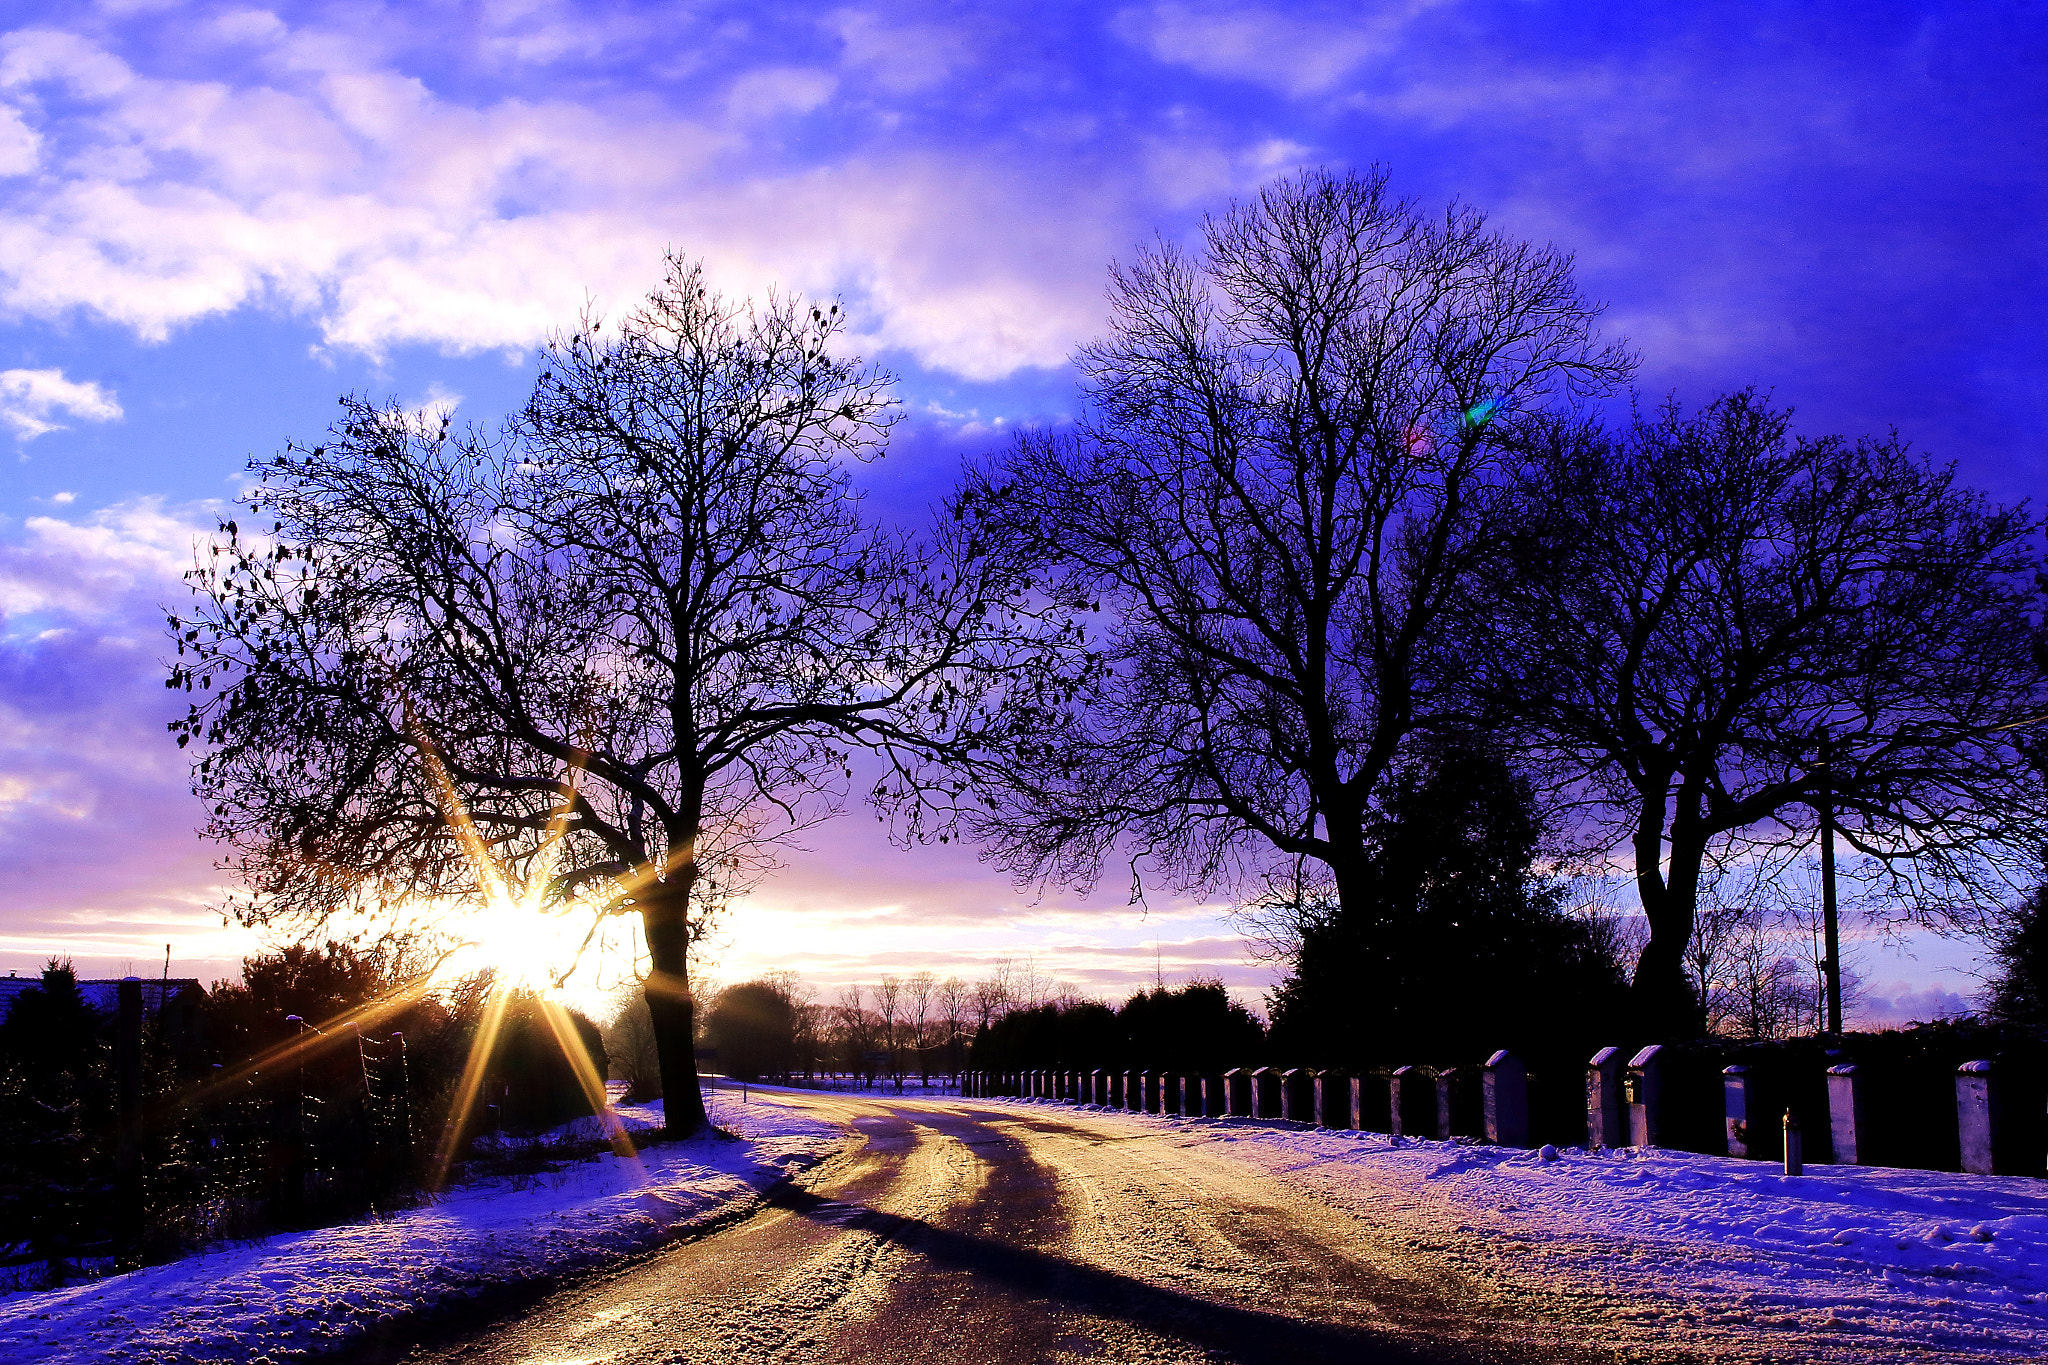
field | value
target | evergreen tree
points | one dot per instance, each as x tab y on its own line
1457	947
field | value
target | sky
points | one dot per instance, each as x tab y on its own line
215	219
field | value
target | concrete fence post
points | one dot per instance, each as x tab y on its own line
1411	1102
1646	1098
1735	1109
1266	1092
1848	1120
1237	1092
1155	1091
1460	1108
1333	1100
1215	1104
1507	1100
1603	1099
1977	1117
1134	1092
1298	1095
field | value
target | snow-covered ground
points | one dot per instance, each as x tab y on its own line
1669	1247
296	1293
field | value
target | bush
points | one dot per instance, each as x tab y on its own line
752	1029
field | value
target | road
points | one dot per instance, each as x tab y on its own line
963	1231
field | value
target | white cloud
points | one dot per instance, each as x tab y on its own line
30	401
1298	50
352	193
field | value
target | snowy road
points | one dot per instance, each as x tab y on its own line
1006	1233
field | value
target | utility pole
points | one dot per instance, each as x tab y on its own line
1832	967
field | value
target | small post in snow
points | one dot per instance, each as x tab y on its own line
1411	1102
1506	1101
1848	1124
1645	1098
1237	1093
1977	1115
1603	1099
1735	1108
1333	1108
1794	1165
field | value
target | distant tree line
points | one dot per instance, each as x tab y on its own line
1351	597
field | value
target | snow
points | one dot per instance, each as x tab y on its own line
1862	1262
304	1292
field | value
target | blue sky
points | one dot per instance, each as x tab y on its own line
216	218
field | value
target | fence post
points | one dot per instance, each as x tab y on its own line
1411	1102
1645	1097
1333	1100
1266	1092
1237	1093
1735	1108
1848	1123
1297	1095
1603	1099
1507	1100
1977	1117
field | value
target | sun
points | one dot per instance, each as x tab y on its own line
522	945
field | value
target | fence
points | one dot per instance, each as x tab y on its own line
1984	1116
149	1158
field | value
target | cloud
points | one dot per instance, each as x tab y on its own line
1898	1003
30	400
1297	49
96	821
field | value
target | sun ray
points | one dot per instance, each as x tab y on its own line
593	1084
466	1091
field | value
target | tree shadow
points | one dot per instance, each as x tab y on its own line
1227	1330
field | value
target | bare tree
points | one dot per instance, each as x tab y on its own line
888	1006
607	655
955	999
1296	449
920	995
1701	600
992	995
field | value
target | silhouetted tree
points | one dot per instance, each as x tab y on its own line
753	1027
1453	947
1190	1028
1699	598
614	650
2019	983
1295	452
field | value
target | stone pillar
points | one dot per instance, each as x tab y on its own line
1266	1093
1153	1082
1298	1095
1134	1092
1506	1100
1645	1098
1237	1084
1459	1107
1215	1101
1848	1122
1977	1116
1604	1114
1735	1109
1371	1096
1334	1108
1411	1102
1177	1095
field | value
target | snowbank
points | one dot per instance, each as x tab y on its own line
306	1292
1664	1246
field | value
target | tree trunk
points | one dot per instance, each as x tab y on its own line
664	914
1665	1006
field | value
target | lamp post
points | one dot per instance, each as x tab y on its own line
1832	966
